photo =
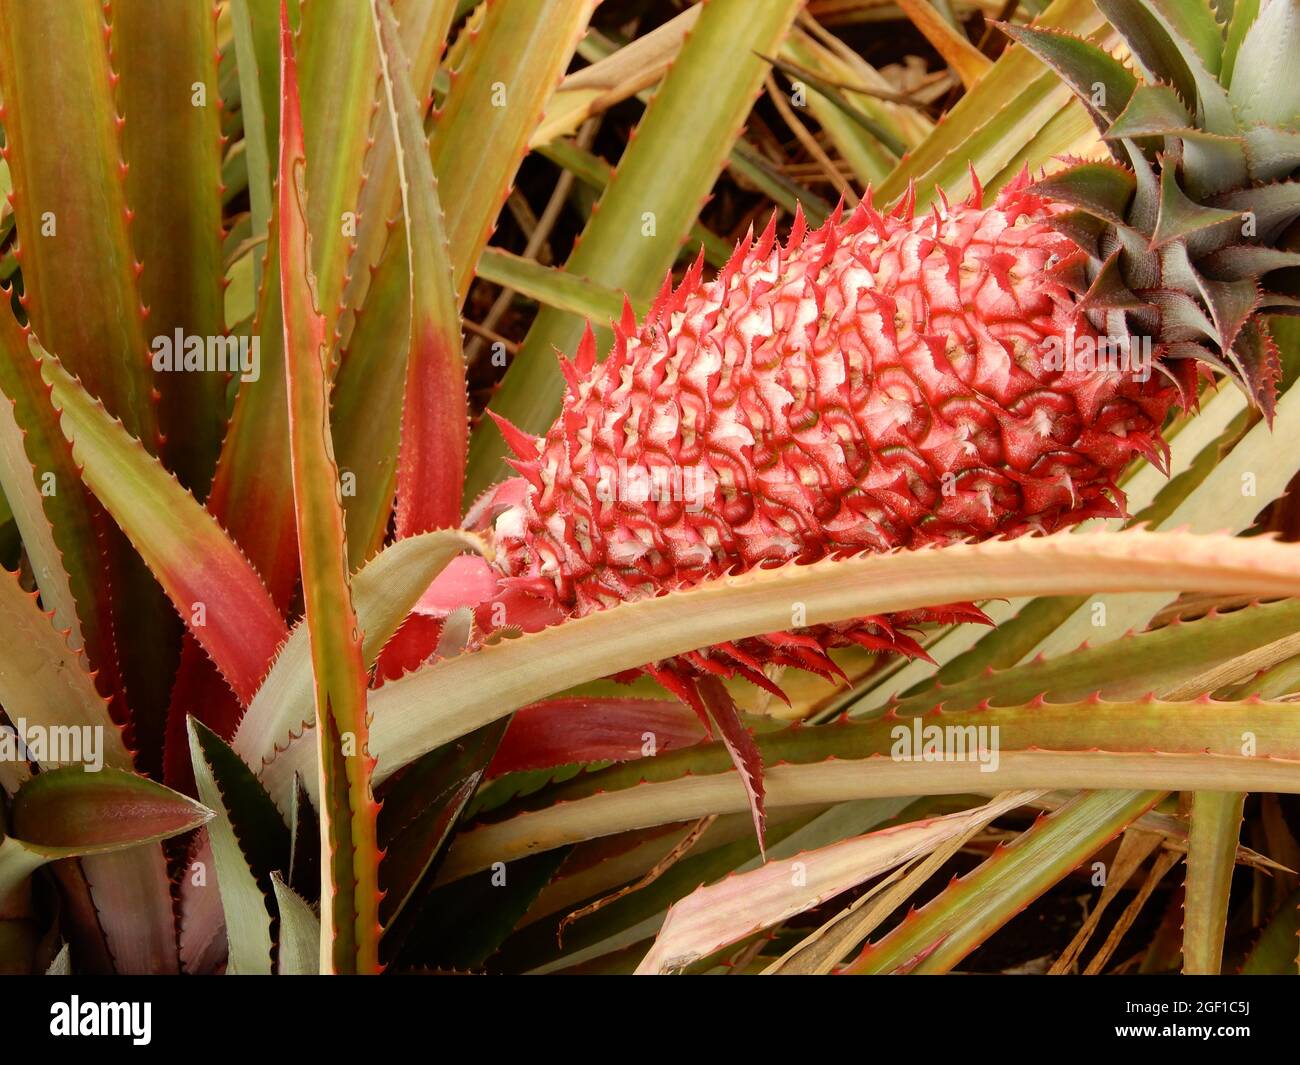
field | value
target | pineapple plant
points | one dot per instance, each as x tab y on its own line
351	634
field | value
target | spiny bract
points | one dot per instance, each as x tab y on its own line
889	380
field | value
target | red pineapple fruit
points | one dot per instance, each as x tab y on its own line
887	381
891	381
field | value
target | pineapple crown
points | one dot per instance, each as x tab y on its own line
1186	236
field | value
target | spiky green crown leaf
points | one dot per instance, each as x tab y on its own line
1187	236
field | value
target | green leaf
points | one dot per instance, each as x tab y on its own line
1195	22
1092	744
75	240
1180	216
1100	189
969	910
496	101
1240	261
457	931
1271	154
420	810
842	107
1244	14
57	528
166	60
595	173
1099	80
304	853
1152	110
299	953
1156	53
1275	952
264	32
870	134
422	32
1010	118
559	289
338	60
1274	207
1211	859
257	134
1131	666
243	813
1264	89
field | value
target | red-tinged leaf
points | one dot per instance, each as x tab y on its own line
65	813
435	419
252	498
60	528
45	683
518	54
350	892
411	646
592	729
218	595
71	811
202	932
740	746
252	494
366	415
201	692
120	907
